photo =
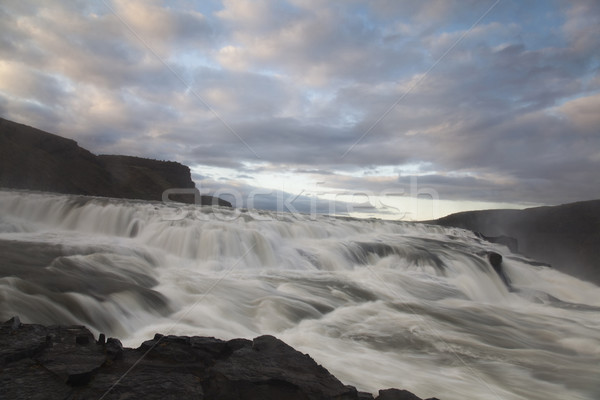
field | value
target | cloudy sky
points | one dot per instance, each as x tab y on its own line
469	104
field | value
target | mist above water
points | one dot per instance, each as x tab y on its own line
380	304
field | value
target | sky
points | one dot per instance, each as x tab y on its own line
385	108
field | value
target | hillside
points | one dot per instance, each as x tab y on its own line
36	160
566	236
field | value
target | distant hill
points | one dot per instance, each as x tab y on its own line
36	160
566	236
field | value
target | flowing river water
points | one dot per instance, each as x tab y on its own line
378	303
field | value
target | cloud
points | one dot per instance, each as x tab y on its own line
30	84
583	113
341	92
164	28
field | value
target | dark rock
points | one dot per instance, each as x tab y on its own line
495	260
84	339
143	178
27	379
364	396
15	322
114	348
36	160
25	342
69	358
59	362
396	394
267	368
101	339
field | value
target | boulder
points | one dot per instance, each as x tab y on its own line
267	368
58	362
495	260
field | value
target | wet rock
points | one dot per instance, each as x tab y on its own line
396	394
82	339
15	323
73	357
267	368
114	348
24	342
495	260
364	396
27	379
58	362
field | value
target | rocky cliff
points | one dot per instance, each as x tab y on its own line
37	160
567	236
143	178
60	362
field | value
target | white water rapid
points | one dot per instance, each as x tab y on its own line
380	304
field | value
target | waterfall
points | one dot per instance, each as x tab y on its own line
378	303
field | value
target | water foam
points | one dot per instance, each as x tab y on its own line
379	303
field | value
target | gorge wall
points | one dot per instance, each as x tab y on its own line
36	160
567	236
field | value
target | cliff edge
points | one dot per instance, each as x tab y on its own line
566	236
36	160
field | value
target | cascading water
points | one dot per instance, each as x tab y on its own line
380	304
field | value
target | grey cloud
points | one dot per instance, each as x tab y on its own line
313	171
325	45
31	113
314	84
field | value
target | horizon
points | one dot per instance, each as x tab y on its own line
402	110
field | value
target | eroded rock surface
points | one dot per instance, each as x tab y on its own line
67	362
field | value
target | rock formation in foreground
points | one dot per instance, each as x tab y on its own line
60	362
36	160
567	236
